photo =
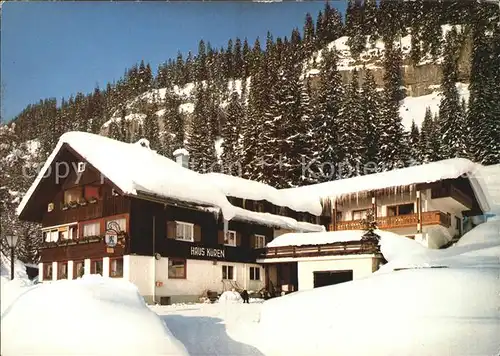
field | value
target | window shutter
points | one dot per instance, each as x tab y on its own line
252	241
220	237
238	238
197	233
171	229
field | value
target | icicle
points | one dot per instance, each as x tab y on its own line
357	198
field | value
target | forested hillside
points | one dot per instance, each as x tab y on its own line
325	102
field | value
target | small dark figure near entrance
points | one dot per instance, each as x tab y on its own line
244	295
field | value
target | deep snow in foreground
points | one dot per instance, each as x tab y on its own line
422	302
88	316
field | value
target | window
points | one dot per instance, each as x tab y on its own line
116	267
184	231
63	234
50	236
255	273
359	214
73	232
260	241
92	229
78	269
47	271
230	238
62	270
227	272
404	209
176	268
91	191
96	267
73	194
121	222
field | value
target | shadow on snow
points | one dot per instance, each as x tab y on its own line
206	336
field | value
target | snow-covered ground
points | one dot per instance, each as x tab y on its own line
413	107
451	310
88	316
422	302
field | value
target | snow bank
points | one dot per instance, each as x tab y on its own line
88	316
230	297
412	312
417	311
248	189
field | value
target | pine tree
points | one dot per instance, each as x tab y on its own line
393	144
309	35
351	131
247	59
452	124
371	114
482	122
152	130
327	108
201	139
238	59
354	27
415	143
231	133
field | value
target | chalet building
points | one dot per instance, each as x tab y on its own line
428	203
123	211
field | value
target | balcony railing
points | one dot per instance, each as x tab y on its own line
394	222
105	207
342	248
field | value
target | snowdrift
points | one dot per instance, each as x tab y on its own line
451	309
230	297
88	316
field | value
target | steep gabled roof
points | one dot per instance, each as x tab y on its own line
135	169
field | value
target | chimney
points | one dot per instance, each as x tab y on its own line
181	156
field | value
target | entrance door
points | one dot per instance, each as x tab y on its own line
327	278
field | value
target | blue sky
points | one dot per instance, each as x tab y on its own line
55	49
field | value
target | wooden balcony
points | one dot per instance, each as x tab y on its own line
400	221
105	207
450	191
342	248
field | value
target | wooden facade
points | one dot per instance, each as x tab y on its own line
146	230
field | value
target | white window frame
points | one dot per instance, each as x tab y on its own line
250	273
227	273
233	233
185	225
263	241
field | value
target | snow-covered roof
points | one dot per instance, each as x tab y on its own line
317	238
488	178
135	169
248	189
180	151
425	173
276	220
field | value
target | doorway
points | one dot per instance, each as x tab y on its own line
327	278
